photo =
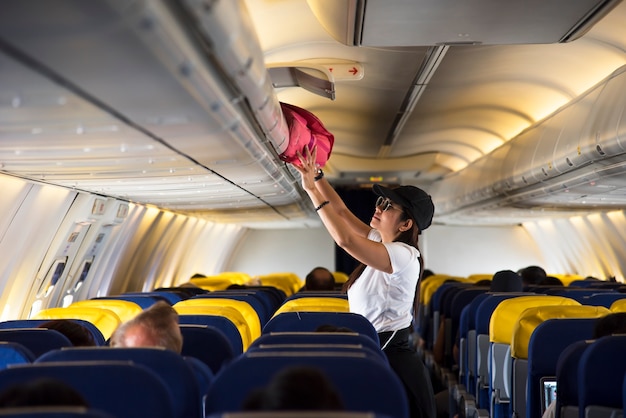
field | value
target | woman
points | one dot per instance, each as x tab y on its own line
384	286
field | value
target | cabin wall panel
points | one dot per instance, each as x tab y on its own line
593	245
465	250
34	221
264	251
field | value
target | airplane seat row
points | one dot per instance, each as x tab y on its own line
54	412
496	373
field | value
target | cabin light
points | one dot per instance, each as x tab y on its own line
172	170
80	130
376	179
123	148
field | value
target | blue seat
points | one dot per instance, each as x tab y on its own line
170	297
567	379
252	299
363	384
481	365
54	412
34	323
300	414
37	340
168	365
144	301
14	353
546	344
208	344
315	341
316	338
224	324
602	299
601	371
122	389
309	321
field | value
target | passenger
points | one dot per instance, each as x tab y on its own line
551	281
78	334
614	323
532	275
297	388
506	281
320	278
391	265
156	326
41	392
333	328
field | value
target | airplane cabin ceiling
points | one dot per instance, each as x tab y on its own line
135	99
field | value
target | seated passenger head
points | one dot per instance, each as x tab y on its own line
41	392
78	334
550	281
506	281
614	323
295	388
156	326
319	278
532	275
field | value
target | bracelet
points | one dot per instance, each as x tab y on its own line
324	203
319	175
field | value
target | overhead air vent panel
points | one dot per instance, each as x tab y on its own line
436	22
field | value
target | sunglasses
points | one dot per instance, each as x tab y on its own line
384	204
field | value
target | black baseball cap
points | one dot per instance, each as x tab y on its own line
414	200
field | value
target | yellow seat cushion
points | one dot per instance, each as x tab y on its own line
618	306
221	281
315	304
227	312
124	309
340	277
289	283
504	318
105	320
251	316
430	285
531	318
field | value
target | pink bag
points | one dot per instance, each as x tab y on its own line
305	130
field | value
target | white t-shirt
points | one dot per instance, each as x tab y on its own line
386	299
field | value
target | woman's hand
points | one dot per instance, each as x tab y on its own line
307	168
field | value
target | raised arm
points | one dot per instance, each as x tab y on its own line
348	231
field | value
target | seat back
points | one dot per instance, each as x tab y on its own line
37	340
14	353
310	321
567	379
34	323
527	323
601	373
314	304
54	412
319	341
168	365
260	302
244	308
504	320
208	344
229	312
105	320
124	309
143	301
224	324
547	342
363	384
122	389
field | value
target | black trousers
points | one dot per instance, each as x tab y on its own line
412	372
